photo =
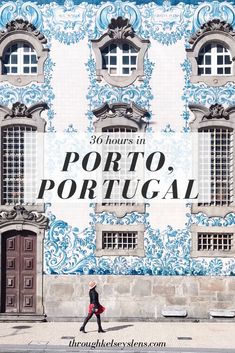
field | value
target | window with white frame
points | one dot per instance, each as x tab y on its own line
214	59
119	132
211	53
219	186
120	54
19	172
23	53
215	129
119	59
20	149
20	59
123	121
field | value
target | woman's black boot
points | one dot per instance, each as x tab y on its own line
99	324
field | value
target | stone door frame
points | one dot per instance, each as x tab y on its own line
36	224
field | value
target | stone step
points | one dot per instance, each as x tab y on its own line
222	313
8	317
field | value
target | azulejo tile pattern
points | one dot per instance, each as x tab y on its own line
70	250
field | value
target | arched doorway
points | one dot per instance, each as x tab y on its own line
18	275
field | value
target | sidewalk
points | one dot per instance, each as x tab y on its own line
213	336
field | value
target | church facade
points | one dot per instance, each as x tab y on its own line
70	68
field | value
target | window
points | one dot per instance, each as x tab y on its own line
19	173
213	48
119	240
19	151
119	59
214	59
212	241
119	54
20	59
216	169
220	166
22	53
119	118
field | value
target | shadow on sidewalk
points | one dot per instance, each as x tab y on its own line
117	328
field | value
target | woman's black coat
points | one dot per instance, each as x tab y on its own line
94	298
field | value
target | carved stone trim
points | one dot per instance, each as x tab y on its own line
122	111
19	213
212	25
120	28
23	25
120	31
20	110
216	111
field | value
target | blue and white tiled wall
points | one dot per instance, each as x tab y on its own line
72	92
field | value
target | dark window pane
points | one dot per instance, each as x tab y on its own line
133	50
227	71
125	48
104	61
227	59
125	60
220	60
5	70
125	71
33	70
208	48
113	48
33	59
26	59
26	70
201	59
219	49
14	48
14	59
6	59
14	70
26	48
113	60
208	60
105	50
220	71
200	71
133	60
208	71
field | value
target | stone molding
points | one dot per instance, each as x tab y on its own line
214	31
210	26
20	214
20	30
20	24
119	114
214	116
120	31
120	28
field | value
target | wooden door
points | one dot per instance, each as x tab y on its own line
18	272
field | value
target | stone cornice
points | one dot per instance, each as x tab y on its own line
210	26
21	215
22	25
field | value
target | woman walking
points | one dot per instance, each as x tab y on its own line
94	308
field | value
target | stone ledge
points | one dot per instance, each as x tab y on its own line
174	312
222	313
13	317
